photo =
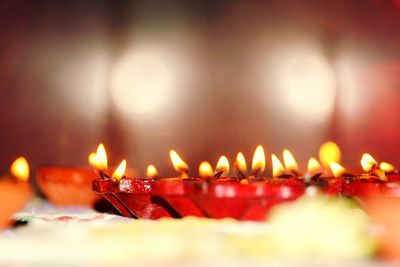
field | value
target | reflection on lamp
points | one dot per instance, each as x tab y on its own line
143	80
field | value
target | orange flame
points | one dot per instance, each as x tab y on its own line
289	161
223	164
100	161
20	169
119	171
337	169
240	162
205	169
151	171
277	167
386	167
258	159
368	162
329	152
179	164
313	165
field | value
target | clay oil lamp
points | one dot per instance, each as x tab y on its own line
130	196
69	186
175	193
15	191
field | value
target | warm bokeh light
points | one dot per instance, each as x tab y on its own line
92	159
368	162
151	171
258	159
119	171
240	162
313	165
20	169
223	165
289	161
101	158
386	167
337	169
329	152
177	162
277	167
205	169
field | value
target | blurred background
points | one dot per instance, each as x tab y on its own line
204	77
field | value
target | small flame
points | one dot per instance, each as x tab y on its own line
289	161
101	158
329	152
205	169
368	162
313	165
151	171
277	167
337	169
179	164
223	164
20	169
240	162
258	159
119	171
92	159
386	167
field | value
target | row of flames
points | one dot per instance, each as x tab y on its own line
329	155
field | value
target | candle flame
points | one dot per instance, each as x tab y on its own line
337	169
119	171
92	159
240	162
258	159
179	164
277	167
289	161
368	162
205	169
20	169
313	165
386	167
151	171
101	158
223	164
329	152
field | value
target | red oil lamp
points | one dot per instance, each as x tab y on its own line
15	191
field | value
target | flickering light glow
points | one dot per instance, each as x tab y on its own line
101	158
20	169
368	162
386	167
259	159
205	169
329	152
119	171
151	171
277	167
289	161
92	159
313	165
337	169
177	162
223	165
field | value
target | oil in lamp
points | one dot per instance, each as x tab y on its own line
15	191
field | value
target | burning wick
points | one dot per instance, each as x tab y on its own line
205	169
20	169
338	170
291	165
99	161
222	167
151	171
119	172
240	165
371	166
258	163
314	170
277	168
179	165
387	167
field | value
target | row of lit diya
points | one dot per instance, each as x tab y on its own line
213	193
